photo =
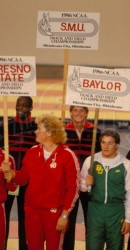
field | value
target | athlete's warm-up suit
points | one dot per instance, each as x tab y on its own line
52	186
110	201
21	138
82	148
4	186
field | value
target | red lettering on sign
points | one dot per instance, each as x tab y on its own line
25	68
85	83
72	27
118	86
94	84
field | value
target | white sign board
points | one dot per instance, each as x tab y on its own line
98	88
67	30
17	76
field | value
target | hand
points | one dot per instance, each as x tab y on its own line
9	175
125	227
62	224
6	169
5	166
89	180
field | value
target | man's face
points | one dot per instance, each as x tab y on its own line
108	147
22	108
78	114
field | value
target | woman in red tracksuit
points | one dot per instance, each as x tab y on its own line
51	171
4	186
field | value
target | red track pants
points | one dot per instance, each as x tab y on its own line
41	229
2	227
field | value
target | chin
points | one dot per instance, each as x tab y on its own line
106	155
21	116
37	140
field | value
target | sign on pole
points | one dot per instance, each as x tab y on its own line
66	54
67	30
98	88
17	78
5	120
94	140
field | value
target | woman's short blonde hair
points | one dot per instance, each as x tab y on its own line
55	126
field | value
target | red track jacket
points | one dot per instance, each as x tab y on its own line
53	183
4	186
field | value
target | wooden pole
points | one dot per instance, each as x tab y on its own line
94	140
6	147
66	55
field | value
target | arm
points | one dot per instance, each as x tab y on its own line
89	180
72	179
62	222
71	172
11	186
86	179
12	176
126	223
125	228
7	170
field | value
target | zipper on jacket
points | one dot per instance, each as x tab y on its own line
106	187
21	139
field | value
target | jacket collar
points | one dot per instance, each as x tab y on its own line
88	124
57	150
28	119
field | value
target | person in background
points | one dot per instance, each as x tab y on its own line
79	139
4	187
108	218
128	245
21	137
51	172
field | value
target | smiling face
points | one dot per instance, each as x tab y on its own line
108	146
23	107
79	115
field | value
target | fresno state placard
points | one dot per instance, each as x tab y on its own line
17	76
98	88
67	30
